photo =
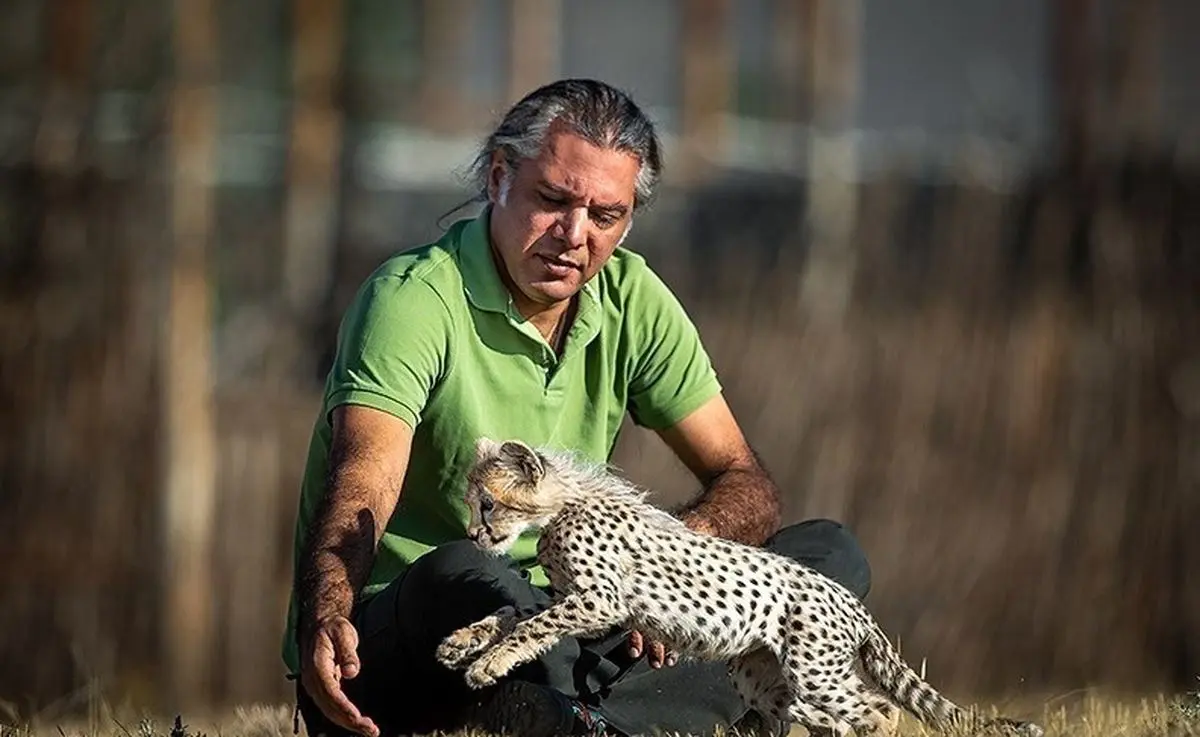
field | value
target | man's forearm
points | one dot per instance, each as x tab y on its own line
740	504
337	557
340	547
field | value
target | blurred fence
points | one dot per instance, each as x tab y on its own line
1006	410
1006	414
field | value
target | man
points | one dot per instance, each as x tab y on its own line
529	321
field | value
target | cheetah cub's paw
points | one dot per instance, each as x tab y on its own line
467	642
492	666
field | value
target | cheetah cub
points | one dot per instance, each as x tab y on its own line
793	638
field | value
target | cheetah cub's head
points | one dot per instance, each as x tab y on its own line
505	494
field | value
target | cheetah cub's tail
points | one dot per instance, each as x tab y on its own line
904	685
910	690
885	666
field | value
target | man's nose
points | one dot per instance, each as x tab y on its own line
572	227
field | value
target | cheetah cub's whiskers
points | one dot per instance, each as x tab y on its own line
794	639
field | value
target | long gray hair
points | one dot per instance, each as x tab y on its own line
595	111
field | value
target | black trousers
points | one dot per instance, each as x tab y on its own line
405	691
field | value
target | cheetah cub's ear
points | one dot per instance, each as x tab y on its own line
485	448
524	461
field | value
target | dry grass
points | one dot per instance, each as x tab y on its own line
1082	714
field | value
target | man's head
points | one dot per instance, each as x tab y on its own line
564	171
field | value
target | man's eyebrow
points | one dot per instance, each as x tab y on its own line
555	189
615	208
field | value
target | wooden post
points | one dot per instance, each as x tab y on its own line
1075	81
708	75
67	59
788	57
250	456
791	60
310	210
1076	126
1137	88
535	36
444	41
832	28
189	488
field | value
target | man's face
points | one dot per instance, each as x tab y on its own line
561	216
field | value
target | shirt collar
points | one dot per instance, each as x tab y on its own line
481	280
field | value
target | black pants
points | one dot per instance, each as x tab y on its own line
405	691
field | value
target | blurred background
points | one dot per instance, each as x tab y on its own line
945	255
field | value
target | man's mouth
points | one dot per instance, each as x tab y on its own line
558	266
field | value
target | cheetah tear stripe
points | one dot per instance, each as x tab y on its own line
794	640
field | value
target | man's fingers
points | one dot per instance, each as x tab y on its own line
345	644
338	707
335	657
342	712
658	654
635	644
330	692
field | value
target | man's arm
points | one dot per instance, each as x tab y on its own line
368	458
674	390
739	501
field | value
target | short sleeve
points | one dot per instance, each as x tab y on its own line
672	374
392	348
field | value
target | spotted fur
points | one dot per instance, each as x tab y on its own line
801	648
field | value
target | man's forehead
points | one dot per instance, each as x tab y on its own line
579	169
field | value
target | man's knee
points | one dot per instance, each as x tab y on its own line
456	583
452	560
829	547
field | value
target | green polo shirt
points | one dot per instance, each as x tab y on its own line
433	338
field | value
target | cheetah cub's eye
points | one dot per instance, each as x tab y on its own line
486	504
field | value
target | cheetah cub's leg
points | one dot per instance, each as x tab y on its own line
819	723
581	614
831	684
817	670
868	711
466	642
759	681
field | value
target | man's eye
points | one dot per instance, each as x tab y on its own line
605	221
550	199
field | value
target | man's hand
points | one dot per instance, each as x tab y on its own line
368	460
656	652
330	654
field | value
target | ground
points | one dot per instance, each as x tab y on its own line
1080	714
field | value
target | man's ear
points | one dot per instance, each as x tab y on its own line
485	447
499	179
524	459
